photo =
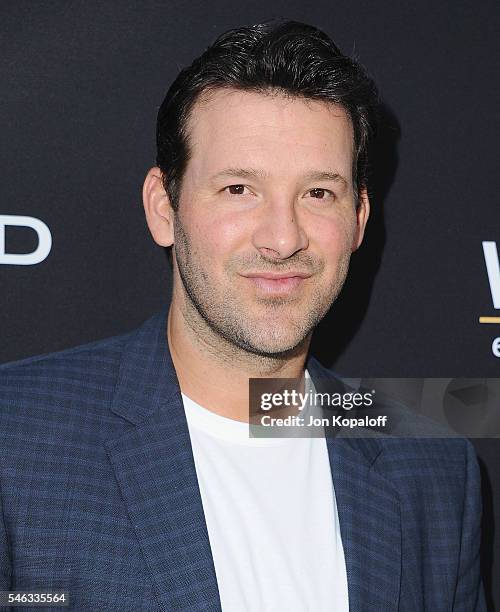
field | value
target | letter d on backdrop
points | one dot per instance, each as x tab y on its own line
25	259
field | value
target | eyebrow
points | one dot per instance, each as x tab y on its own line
251	173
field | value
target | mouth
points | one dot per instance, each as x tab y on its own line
277	282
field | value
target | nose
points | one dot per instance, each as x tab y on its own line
279	233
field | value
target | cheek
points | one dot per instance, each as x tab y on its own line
217	236
332	237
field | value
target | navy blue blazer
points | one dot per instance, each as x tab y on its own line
99	495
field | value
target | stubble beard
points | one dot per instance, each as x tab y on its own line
219	319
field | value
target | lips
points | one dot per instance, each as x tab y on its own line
277	282
277	275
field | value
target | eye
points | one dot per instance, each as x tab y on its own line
235	189
321	194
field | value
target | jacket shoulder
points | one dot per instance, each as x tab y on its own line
409	438
44	386
89	349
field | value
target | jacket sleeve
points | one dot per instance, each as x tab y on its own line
469	593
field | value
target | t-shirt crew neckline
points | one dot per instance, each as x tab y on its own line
237	432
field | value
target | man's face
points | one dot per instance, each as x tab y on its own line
267	217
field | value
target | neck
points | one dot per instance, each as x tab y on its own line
214	372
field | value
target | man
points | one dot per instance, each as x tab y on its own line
128	477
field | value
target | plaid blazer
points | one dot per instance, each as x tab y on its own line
99	495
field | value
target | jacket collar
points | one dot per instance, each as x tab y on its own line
154	467
146	378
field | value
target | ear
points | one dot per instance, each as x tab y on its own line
362	214
158	209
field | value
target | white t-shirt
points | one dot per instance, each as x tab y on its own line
271	516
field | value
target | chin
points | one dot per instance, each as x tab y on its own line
280	345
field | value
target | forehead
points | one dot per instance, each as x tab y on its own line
276	133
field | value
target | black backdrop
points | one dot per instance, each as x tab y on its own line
81	85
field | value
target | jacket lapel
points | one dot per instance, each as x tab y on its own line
154	467
369	515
